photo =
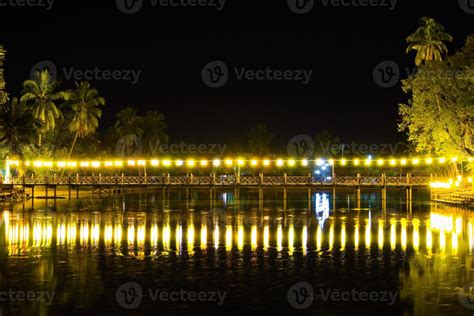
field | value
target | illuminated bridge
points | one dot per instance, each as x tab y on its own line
118	175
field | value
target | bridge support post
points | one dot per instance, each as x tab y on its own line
309	199
358	190
69	187
384	192
77	186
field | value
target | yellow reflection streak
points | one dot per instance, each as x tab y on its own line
291	239
61	234
203	236
404	233
141	235
393	234
71	234
304	239
154	232
131	234
279	238
356	235
179	238
240	237
117	234
84	233
166	237
228	237
216	236
454	243
95	233
108	234
470	235
429	237
367	234
253	237
319	238
190	238
266	237
416	234
331	236
380	234
442	241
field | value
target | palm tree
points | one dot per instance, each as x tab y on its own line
3	94
85	104
259	140
127	121
428	41
128	127
41	91
18	126
154	125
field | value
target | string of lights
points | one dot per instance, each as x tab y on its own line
238	162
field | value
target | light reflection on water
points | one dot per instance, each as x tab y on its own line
443	232
417	252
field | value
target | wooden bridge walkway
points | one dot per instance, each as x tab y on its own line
223	181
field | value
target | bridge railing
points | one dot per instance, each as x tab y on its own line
223	180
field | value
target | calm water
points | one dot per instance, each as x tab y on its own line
144	254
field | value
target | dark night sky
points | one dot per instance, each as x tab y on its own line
341	45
